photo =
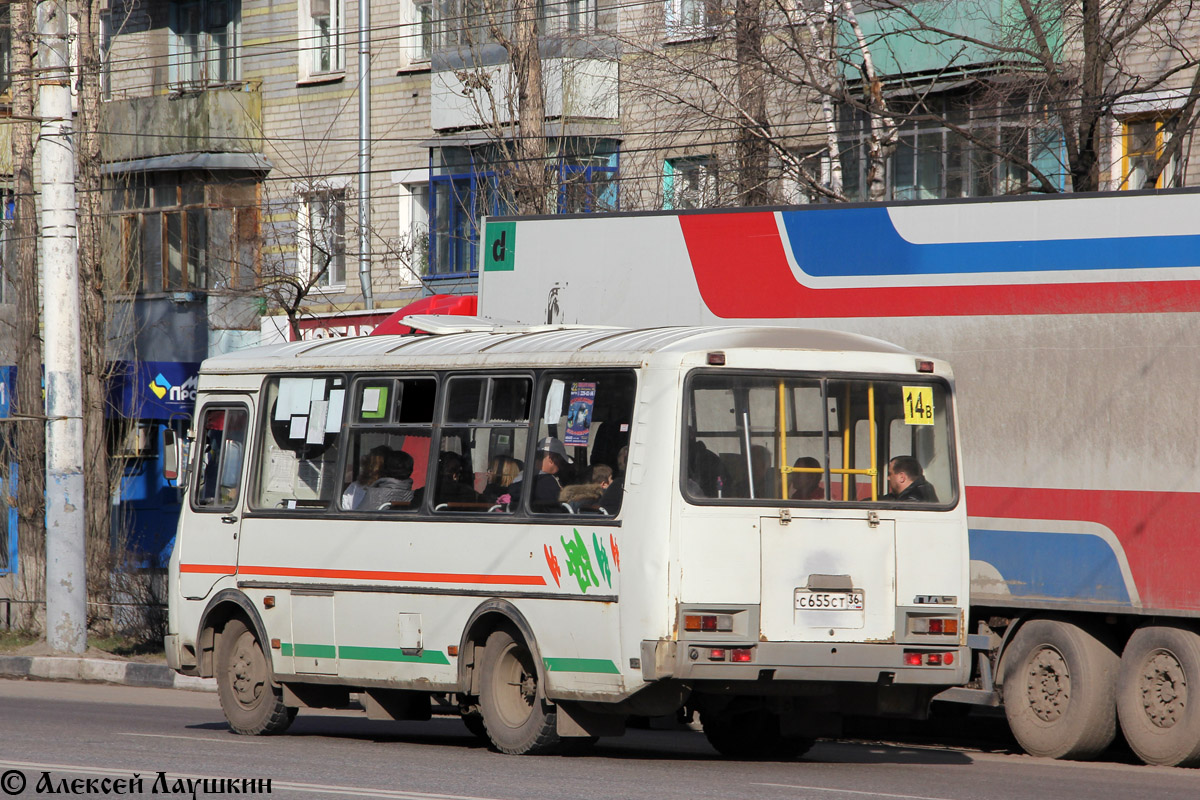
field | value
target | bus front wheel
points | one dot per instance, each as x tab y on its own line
518	718
1158	695
251	704
1060	690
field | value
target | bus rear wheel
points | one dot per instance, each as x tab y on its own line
1059	690
745	729
1158	695
251	704
518	718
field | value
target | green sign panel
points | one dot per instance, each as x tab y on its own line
500	247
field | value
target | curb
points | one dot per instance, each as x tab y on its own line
100	670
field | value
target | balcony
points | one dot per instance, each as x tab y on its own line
220	120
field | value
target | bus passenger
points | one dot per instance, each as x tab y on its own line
586	496
502	471
370	467
395	484
552	461
610	501
450	486
806	485
906	481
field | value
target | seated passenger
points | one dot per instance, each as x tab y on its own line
450	486
395	484
370	468
502	472
806	485
552	461
586	496
610	501
906	481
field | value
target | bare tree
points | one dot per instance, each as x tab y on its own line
92	303
1029	81
29	405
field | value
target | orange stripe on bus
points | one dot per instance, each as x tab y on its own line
214	569
411	577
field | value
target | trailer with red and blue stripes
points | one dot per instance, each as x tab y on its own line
1073	326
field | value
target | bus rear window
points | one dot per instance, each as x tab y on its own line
752	437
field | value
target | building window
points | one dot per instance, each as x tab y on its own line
417	36
568	17
322	37
587	181
321	238
689	183
162	224
5	49
1142	142
204	43
689	19
413	218
183	232
933	160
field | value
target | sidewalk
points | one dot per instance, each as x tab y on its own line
101	670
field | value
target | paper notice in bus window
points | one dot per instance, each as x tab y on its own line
579	413
294	394
316	423
299	427
333	418
374	402
281	472
918	405
554	398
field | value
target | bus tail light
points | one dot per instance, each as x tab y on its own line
741	654
938	626
924	366
716	654
708	623
916	659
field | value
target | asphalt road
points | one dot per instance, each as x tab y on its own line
74	732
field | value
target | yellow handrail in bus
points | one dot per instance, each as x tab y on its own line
872	471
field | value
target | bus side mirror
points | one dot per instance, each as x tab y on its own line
171	453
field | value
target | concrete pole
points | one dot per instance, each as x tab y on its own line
364	152
66	576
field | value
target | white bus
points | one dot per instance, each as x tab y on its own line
549	530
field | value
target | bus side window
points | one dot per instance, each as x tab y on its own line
387	450
299	442
220	457
590	416
484	437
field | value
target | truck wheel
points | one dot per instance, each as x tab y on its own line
1059	690
746	730
1158	695
518	718
251	704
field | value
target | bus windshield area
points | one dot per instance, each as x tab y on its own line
803	439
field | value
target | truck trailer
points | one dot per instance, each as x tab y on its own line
1073	326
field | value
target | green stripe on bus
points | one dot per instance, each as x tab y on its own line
362	653
310	650
602	665
392	654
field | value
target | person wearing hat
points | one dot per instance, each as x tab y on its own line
552	461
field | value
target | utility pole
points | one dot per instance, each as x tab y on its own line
66	575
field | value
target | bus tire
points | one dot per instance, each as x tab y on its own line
518	718
744	729
1158	695
251	704
1059	690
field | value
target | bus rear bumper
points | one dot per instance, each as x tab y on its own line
944	665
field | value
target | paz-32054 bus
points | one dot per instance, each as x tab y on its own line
553	529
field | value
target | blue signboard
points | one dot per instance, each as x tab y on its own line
8	489
153	389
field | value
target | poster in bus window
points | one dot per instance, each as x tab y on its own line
579	413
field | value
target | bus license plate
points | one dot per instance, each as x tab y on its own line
807	600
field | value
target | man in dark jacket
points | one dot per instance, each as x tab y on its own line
906	481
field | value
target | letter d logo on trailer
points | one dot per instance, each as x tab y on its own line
500	247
